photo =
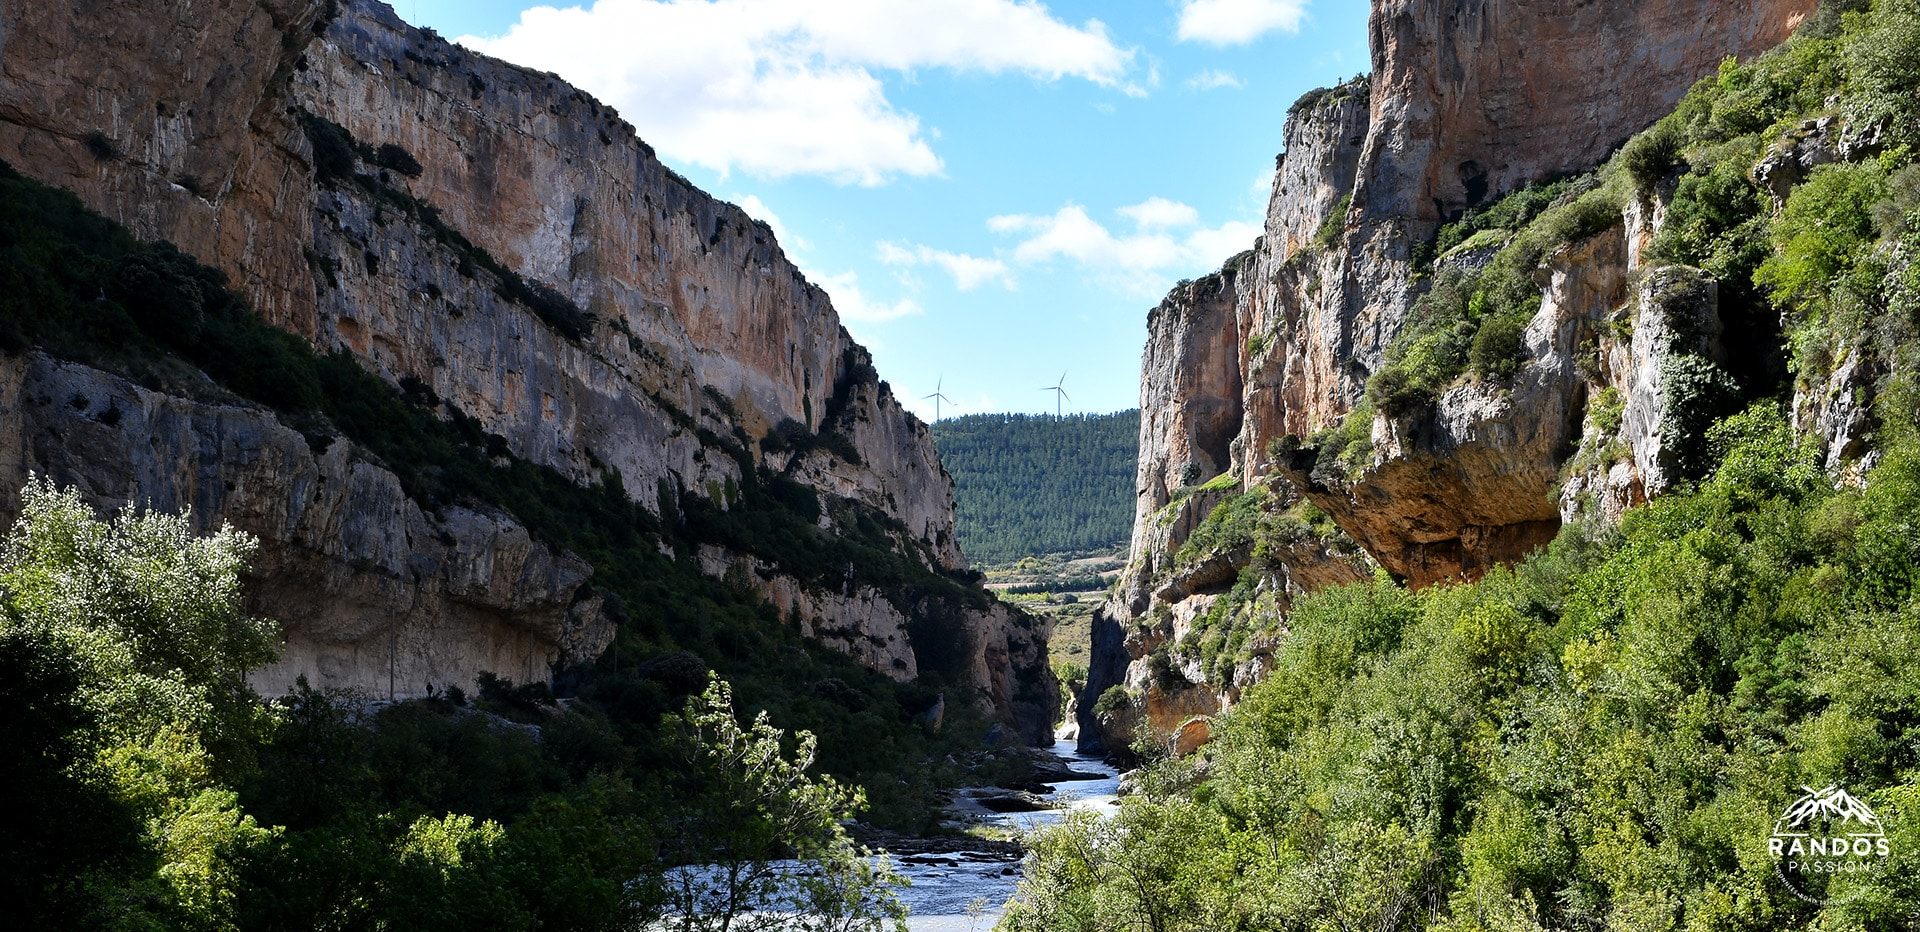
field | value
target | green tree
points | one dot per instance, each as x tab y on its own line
760	840
143	648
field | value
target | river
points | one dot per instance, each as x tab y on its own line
946	885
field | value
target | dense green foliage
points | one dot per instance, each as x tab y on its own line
1273	526
336	787
124	648
155	791
1600	737
1029	484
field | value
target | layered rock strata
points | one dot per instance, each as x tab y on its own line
493	236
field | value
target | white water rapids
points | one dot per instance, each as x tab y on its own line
946	885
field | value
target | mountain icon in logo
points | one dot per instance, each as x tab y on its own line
1833	808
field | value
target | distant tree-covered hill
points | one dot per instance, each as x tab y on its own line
1029	484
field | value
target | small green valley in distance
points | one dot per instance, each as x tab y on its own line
1044	507
1031	484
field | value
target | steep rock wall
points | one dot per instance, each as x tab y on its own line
695	298
1190	396
1476	97
196	122
1467	100
372	592
169	116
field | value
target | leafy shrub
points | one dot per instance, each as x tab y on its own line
1335	223
1115	699
1717	222
1397	393
1497	346
1228	526
335	155
1698	393
101	146
1607	410
1513	211
1651	156
167	292
1344	450
1821	230
1883	68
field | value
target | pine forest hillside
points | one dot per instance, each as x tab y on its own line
1030	484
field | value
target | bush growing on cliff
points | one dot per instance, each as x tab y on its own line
1115	699
1653	155
1345	449
1335	224
1471	321
1229	526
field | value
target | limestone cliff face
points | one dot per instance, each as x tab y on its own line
1190	399
169	116
1473	98
372	592
1325	136
531	205
695	299
1467	100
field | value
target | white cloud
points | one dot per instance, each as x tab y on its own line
854	305
969	272
1238	22
1214	79
1168	241
777	88
1160	213
758	210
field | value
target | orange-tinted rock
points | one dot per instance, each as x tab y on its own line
1192	736
187	121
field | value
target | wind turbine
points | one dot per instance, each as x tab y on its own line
937	398
1059	392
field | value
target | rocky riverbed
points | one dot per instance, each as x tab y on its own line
961	883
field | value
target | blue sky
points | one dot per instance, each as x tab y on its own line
993	191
